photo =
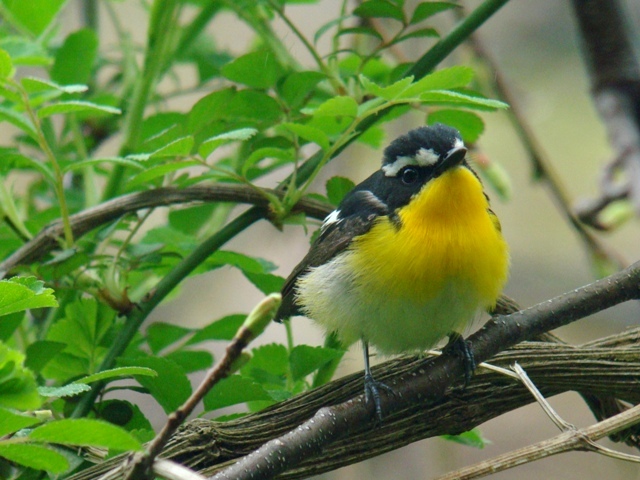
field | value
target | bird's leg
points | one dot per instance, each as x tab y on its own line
372	387
459	346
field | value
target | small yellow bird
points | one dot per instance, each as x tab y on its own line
411	255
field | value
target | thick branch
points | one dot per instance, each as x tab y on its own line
87	220
425	404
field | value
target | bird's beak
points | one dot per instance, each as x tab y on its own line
453	159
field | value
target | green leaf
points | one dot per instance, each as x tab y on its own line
170	388
379	9
309	133
34	15
467	100
337	188
6	65
257	69
469	124
146	176
266	282
37	85
232	391
125	415
420	33
191	360
160	335
305	360
428	9
85	432
180	147
22	293
209	145
18	387
447	78
371	32
299	86
472	438
280	155
75	59
76	106
240	261
9	324
223	329
11	422
337	107
34	456
389	92
191	219
70	390
272	358
117	373
125	162
19	120
41	352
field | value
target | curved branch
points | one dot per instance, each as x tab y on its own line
85	221
425	403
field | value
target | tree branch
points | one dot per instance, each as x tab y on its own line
614	68
85	221
425	403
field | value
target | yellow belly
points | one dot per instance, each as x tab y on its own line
404	289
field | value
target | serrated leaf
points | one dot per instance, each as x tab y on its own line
146	176
9	324
469	124
310	134
18	388
267	152
299	86
17	295
76	106
211	144
389	92
272	358
11	422
124	161
115	373
34	456
85	432
232	391
41	352
180	147
36	85
461	99
305	360
428	9
170	388
447	78
420	33
337	188
337	107
223	329
257	69
70	390
379	9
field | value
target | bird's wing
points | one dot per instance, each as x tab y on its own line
336	235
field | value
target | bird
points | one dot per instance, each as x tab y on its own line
410	256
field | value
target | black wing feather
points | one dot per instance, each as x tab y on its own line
335	238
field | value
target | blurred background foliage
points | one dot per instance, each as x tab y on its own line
126	133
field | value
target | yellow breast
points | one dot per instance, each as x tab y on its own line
447	236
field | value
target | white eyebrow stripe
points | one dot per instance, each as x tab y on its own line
392	169
426	157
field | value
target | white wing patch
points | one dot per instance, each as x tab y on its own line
333	217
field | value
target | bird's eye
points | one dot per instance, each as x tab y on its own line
409	175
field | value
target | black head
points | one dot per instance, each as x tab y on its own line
410	161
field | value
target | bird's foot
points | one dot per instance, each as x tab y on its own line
372	389
460	347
